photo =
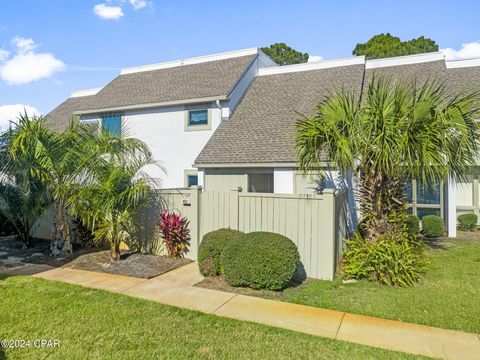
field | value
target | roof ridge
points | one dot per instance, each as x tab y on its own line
461	63
314	65
404	60
190	61
85	92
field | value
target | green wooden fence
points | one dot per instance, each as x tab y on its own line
317	224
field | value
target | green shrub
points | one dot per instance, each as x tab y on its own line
432	226
467	222
261	260
392	259
413	225
211	249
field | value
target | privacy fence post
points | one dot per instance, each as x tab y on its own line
195	230
326	247
235	219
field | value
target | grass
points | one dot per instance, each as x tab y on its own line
447	296
95	324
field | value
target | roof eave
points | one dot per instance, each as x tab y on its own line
288	164
153	105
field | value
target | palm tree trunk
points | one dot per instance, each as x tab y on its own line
62	241
115	251
382	202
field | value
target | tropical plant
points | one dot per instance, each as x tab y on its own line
23	197
393	259
432	226
114	189
397	131
58	160
175	233
467	222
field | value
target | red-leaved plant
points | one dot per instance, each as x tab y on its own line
175	233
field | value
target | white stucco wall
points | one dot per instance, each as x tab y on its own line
283	181
451	202
163	130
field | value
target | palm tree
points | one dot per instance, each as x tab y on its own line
397	131
115	191
58	160
23	197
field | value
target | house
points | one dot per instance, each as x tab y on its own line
226	121
174	107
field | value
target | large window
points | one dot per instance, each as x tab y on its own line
112	123
424	199
260	182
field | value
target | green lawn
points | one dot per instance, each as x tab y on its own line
448	296
94	324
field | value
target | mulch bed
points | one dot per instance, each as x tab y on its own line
12	254
143	266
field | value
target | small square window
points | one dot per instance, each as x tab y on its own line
192	180
197	117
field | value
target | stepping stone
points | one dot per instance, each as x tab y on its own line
37	254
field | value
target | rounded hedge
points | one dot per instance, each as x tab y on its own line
211	249
467	222
432	226
261	260
413	224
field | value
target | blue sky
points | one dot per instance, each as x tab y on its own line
50	48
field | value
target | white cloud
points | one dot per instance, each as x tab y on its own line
138	4
27	66
107	12
24	44
314	58
468	50
11	112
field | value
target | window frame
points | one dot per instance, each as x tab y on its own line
414	205
186	174
202	127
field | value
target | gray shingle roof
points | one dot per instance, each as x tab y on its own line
261	130
59	117
463	79
432	70
202	80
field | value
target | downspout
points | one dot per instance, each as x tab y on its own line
219	106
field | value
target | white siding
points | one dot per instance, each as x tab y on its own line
163	130
283	181
464	190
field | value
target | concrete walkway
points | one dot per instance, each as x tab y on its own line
177	288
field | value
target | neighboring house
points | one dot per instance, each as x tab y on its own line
227	121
